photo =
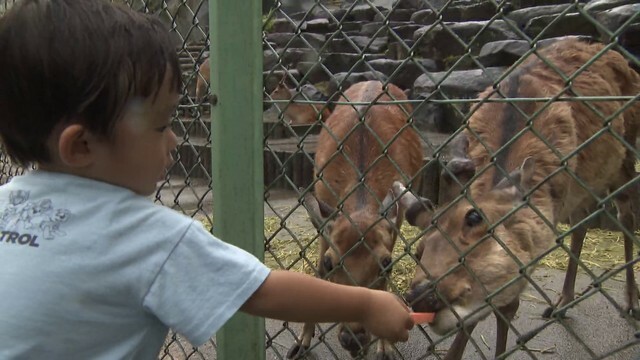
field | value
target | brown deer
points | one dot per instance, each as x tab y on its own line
361	151
202	81
520	163
300	113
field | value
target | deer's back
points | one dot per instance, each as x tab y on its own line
351	151
563	130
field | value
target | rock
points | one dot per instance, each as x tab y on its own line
469	11
334	63
363	13
523	16
436	42
362	44
457	11
502	53
378	28
401	73
399	50
340	14
272	78
269	60
424	17
467	83
296	6
395	15
385	4
342	81
507	52
429	116
520	4
342	62
568	24
290	57
316	12
283	26
351	25
599	5
412	4
318	26
312	71
311	92
405	31
304	40
613	18
456	85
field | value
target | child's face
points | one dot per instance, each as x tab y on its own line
140	152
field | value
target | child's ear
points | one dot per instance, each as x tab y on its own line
74	146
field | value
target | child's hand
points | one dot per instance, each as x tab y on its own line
387	317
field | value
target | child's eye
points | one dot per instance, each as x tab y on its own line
162	128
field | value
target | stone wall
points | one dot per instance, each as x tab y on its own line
427	49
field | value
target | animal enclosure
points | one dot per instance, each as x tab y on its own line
468	91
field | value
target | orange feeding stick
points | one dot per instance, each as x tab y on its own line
422	317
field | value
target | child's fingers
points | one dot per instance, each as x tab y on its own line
405	336
409	323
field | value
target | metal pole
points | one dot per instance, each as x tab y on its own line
237	170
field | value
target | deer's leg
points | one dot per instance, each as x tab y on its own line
385	350
459	343
627	220
568	289
303	343
502	325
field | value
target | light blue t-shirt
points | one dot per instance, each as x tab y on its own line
89	270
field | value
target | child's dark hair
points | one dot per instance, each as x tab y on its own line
75	61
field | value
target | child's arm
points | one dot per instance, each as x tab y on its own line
290	296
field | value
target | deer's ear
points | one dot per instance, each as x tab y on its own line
418	210
283	80
318	211
459	170
520	181
390	208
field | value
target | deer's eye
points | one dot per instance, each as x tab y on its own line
386	263
472	218
327	264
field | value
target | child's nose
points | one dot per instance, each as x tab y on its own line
173	140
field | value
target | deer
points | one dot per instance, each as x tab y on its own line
519	164
361	151
202	82
297	113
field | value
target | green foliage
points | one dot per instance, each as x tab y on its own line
267	20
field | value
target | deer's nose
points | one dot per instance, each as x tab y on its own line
423	297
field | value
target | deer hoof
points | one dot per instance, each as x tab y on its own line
297	351
635	314
548	311
551	312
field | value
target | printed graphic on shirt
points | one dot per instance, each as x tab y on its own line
22	221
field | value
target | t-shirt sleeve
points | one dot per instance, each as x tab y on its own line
203	282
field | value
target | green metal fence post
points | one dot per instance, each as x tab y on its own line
236	82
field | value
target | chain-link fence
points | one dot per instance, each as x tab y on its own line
358	94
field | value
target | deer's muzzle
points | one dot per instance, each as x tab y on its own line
424	298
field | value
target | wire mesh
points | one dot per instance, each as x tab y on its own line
440	54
